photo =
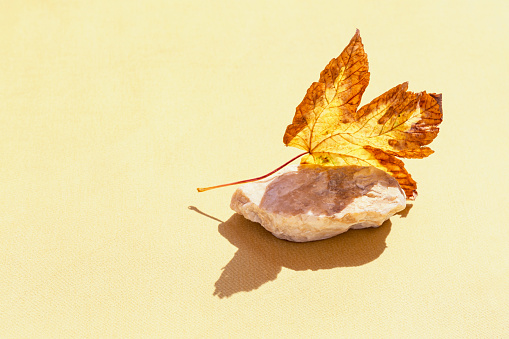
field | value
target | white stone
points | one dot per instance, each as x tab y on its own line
306	202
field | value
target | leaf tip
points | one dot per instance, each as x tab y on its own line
438	99
412	196
357	35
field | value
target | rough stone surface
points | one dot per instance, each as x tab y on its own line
306	203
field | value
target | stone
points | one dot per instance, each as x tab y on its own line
308	202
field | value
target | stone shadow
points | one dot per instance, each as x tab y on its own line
261	256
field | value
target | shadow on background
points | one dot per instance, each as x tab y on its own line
261	256
404	213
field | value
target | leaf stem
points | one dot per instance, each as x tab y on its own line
251	180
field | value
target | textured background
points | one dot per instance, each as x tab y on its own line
113	112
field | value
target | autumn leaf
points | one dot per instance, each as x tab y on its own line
397	124
328	126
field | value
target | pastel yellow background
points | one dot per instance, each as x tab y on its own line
113	112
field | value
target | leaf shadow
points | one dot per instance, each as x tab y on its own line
261	256
404	213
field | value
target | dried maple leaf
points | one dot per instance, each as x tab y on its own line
329	127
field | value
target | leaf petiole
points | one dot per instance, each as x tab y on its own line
254	179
